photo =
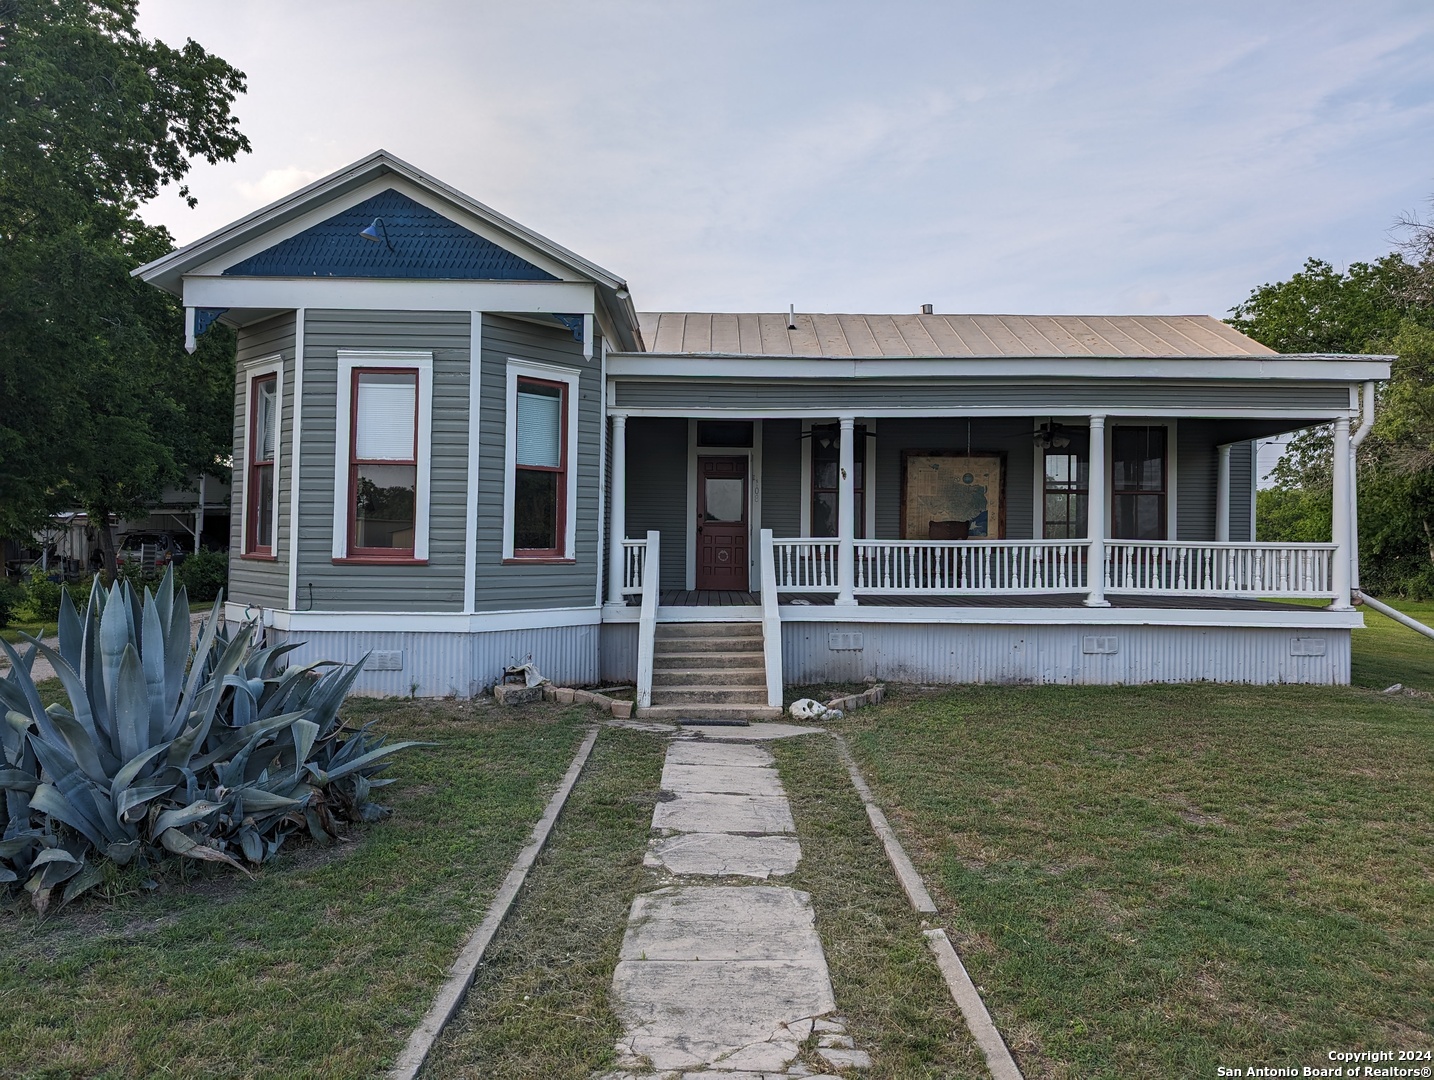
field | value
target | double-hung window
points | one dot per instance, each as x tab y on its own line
540	501
258	466
1139	475
1066	487
381	457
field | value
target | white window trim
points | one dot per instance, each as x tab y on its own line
551	373
254	370
422	363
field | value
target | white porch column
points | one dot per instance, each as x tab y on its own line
846	516
1339	516
1222	496
1095	515
617	522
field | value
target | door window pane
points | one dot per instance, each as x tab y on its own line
724	499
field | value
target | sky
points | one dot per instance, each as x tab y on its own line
1052	157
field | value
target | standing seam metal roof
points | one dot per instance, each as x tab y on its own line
880	336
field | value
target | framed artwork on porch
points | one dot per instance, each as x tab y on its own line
947	487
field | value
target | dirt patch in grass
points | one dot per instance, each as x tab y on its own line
539	1006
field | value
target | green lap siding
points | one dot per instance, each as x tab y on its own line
438	586
514	587
261	582
657	490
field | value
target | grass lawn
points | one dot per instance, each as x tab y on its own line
12	632
1386	653
322	964
1158	881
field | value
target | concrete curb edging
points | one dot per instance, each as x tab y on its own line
450	995
963	991
978	1018
911	882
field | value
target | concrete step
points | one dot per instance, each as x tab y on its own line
715	661
709	695
672	646
710	712
709	630
715	676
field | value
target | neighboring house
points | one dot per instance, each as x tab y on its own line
497	458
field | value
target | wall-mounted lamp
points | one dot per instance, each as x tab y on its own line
376	232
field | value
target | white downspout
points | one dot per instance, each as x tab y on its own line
1366	421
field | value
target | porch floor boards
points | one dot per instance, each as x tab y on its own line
726	598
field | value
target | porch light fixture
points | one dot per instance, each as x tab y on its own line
376	232
1052	436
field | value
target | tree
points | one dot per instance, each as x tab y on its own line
103	408
1380	307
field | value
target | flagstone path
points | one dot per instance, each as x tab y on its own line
725	981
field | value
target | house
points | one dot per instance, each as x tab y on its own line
458	446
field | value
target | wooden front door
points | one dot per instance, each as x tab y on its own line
722	523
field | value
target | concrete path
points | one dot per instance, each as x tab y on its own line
725	981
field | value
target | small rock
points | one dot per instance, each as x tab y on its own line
564	695
516	694
582	697
840	1042
1394	689
800	1029
550	692
828	1025
622	709
602	701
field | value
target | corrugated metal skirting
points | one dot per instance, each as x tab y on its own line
619	653
443	665
1062	654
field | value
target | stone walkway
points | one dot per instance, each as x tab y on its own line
725	981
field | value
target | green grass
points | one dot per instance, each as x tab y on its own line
36	628
885	979
322	964
539	1006
1386	652
1157	881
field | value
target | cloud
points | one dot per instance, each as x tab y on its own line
275	184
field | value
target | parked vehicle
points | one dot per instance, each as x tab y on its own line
165	547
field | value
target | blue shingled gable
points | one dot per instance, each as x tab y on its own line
425	245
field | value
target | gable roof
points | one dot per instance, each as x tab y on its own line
167	272
906	336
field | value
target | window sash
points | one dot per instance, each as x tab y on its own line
540	441
1140	480
383	437
263	424
826	480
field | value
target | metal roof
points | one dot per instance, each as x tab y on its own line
881	336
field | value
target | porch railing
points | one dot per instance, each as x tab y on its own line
995	567
805	565
970	566
1227	569
634	558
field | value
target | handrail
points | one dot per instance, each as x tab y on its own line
970	567
771	621
1198	568
647	621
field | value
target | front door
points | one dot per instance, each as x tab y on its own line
722	523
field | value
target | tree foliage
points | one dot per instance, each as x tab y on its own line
102	405
1381	307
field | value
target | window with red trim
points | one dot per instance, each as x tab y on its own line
540	467
263	439
383	463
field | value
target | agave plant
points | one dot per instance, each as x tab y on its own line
215	751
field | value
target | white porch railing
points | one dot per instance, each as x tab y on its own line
996	567
634	557
1229	569
970	566
805	565
647	623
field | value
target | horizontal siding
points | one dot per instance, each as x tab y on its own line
657	490
438	586
1002	653
1196	472
801	395
1242	482
782	477
1012	437
262	582
515	587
